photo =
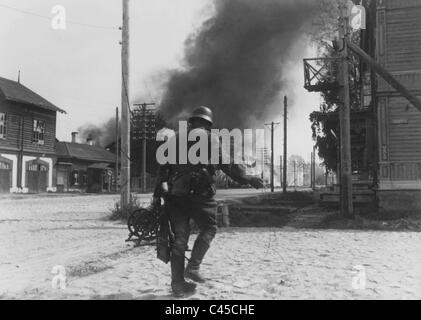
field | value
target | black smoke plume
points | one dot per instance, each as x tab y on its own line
101	135
236	62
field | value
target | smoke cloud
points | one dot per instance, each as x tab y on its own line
101	135
236	63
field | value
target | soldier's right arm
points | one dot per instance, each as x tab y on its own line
237	172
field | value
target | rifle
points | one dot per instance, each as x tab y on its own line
165	235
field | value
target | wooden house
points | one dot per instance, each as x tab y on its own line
27	137
398	50
84	168
386	126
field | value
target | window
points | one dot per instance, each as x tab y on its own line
3	121
38	132
4	166
33	167
85	178
75	178
37	165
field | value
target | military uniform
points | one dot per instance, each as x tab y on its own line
191	196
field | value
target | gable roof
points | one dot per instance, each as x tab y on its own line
16	92
85	152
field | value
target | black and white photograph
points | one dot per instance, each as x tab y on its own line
210	150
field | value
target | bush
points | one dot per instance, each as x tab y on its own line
122	213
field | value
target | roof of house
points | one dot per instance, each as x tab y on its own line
15	91
85	152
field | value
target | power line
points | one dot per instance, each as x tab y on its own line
49	18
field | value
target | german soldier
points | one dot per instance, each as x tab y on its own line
190	191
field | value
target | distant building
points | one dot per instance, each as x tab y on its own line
27	136
262	155
84	167
263	163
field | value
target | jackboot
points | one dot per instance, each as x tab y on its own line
198	253
179	286
194	274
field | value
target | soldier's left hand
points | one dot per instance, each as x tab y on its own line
164	187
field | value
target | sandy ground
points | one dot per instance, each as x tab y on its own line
38	233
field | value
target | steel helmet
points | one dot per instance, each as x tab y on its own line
202	113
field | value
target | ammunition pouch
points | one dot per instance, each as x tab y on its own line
200	181
203	183
180	184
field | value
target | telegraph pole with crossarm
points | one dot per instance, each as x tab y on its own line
144	132
344	120
125	111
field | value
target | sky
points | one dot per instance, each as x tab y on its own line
79	68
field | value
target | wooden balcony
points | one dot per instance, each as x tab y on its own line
319	74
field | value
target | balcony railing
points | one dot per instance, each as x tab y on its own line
320	74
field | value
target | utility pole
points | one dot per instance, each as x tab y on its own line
144	148
125	111
313	168
284	174
304	173
272	160
295	179
280	171
117	148
143	107
344	118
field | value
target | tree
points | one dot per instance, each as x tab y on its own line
324	123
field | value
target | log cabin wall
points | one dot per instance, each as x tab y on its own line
18	116
399	123
18	147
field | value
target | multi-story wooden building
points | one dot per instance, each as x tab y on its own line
27	137
398	49
386	126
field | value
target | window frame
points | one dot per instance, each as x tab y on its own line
5	165
38	137
3	126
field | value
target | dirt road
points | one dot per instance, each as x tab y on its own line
39	233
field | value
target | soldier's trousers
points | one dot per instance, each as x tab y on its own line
203	212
